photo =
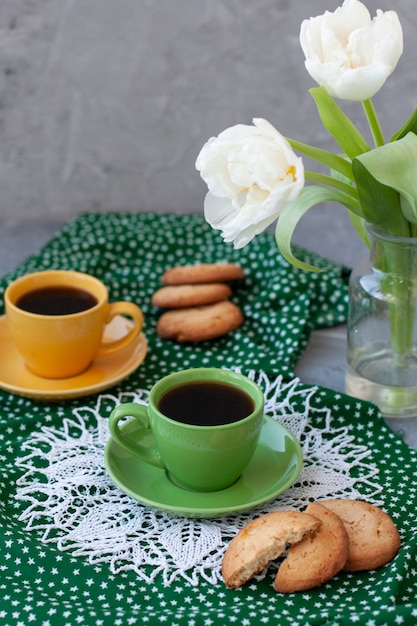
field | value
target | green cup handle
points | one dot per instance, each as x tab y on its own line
140	413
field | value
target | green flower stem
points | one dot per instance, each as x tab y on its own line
397	262
332	161
373	122
402	305
329	181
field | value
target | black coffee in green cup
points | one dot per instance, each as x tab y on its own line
204	425
206	403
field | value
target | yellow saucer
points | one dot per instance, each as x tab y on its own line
102	374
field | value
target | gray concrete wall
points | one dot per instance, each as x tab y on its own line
104	104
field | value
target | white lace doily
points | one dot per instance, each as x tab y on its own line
72	502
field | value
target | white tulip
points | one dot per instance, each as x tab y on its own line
251	173
349	53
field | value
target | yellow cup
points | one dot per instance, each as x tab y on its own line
65	344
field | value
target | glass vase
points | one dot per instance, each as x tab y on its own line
381	339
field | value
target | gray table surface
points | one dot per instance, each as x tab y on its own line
323	363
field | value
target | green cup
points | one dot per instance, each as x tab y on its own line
196	456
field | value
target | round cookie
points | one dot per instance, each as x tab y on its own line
202	273
373	536
180	296
199	323
261	541
316	558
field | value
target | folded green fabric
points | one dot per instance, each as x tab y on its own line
281	304
44	585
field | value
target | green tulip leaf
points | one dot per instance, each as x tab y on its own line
334	162
387	185
293	212
336	122
380	204
409	127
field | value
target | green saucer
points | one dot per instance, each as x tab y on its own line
273	468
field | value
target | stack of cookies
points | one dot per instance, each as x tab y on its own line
326	538
197	297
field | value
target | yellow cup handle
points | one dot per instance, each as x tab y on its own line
122	308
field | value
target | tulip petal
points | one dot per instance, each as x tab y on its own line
350	54
251	173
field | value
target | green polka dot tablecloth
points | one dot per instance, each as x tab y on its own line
75	550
